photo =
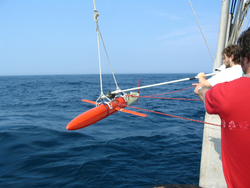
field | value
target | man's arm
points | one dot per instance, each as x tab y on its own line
201	90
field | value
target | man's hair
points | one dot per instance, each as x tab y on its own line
232	50
244	43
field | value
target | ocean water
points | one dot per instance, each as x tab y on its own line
121	150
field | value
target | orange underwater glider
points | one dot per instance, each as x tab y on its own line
102	110
115	101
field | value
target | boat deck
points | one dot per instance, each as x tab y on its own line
211	173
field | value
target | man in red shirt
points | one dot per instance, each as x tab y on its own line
231	101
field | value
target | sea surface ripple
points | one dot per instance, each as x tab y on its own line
122	150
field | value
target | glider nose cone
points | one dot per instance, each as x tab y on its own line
88	118
79	122
72	125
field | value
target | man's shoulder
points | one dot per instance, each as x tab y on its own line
235	68
226	75
221	90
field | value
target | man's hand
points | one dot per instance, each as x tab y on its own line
201	92
197	86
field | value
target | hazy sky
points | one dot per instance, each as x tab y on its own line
40	37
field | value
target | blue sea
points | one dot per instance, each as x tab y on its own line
119	151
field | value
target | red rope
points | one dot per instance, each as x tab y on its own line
151	96
173	116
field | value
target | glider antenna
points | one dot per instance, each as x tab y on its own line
96	15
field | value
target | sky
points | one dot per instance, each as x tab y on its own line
54	37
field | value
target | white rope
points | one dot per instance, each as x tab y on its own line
96	15
99	54
201	31
109	61
163	83
94	5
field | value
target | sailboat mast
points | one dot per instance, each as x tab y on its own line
222	33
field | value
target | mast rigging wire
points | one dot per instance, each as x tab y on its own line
241	8
201	30
233	6
246	24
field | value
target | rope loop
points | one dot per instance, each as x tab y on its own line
96	15
105	107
